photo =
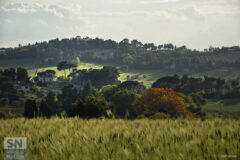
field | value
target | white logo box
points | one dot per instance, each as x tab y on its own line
15	143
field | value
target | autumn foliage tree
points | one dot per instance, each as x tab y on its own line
163	100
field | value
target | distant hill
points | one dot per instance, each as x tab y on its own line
129	54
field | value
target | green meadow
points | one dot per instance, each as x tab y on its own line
32	72
223	105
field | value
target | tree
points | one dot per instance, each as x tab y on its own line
89	90
124	99
161	100
198	99
106	75
78	60
110	74
234	83
167	82
134	43
108	91
11	73
51	100
65	65
124	45
91	107
22	74
130	85
68	96
150	46
47	73
30	109
160	47
45	110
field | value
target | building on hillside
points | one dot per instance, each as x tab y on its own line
19	85
44	79
78	87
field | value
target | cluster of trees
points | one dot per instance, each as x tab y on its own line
98	77
32	110
65	65
88	102
210	87
113	101
8	78
134	54
47	73
101	94
91	107
19	74
129	99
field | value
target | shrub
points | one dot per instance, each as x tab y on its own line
159	115
90	107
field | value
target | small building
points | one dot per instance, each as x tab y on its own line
78	87
44	79
22	86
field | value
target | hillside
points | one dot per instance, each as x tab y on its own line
134	56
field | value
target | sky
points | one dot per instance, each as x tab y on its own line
194	23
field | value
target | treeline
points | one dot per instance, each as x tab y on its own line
169	97
116	101
209	87
97	93
133	54
108	97
98	77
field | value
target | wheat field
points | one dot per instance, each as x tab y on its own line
104	139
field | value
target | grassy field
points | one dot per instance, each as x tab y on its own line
76	139
223	105
32	72
148	80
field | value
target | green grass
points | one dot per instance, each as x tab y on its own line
150	78
32	72
232	105
76	139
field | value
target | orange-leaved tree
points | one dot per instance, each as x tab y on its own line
164	100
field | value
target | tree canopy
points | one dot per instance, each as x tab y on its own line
162	100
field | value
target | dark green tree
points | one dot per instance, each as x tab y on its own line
65	65
45	110
22	74
124	99
91	107
11	73
51	100
89	90
30	109
68	96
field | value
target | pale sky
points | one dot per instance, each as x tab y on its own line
194	23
